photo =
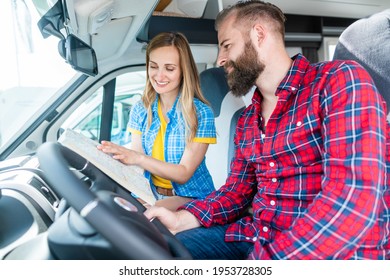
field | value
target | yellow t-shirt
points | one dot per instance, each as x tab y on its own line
158	150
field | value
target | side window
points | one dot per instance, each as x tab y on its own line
90	124
122	108
86	119
327	48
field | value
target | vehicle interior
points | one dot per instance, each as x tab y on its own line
54	204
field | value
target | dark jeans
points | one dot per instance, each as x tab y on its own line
209	244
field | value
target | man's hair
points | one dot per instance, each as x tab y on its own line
250	11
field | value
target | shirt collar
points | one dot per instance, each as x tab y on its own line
171	113
295	75
291	82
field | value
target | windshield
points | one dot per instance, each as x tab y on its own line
31	70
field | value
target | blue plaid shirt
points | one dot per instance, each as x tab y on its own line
200	184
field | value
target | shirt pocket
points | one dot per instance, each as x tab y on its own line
175	142
299	142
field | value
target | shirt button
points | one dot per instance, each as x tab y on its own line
293	89
265	229
254	239
262	136
299	123
272	202
272	164
274	180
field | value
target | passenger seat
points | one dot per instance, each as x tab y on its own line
367	41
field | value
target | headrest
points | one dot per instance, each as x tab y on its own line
214	87
367	41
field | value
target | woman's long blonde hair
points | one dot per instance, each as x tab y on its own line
189	86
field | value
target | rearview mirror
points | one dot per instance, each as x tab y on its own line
80	55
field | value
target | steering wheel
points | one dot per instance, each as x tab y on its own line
134	237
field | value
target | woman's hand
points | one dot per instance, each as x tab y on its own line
124	155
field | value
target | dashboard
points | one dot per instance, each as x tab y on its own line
27	203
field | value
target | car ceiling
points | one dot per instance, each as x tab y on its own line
127	18
330	8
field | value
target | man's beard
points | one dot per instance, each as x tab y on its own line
245	71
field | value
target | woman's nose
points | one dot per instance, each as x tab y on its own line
160	73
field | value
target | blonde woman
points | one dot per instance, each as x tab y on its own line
171	126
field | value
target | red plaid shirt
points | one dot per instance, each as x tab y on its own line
315	176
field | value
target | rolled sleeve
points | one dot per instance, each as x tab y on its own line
206	132
137	114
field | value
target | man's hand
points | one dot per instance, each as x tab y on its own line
174	221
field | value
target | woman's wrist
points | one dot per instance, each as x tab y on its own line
140	159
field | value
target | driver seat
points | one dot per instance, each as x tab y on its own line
227	109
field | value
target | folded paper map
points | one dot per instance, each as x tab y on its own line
130	177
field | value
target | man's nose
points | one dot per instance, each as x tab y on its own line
221	59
